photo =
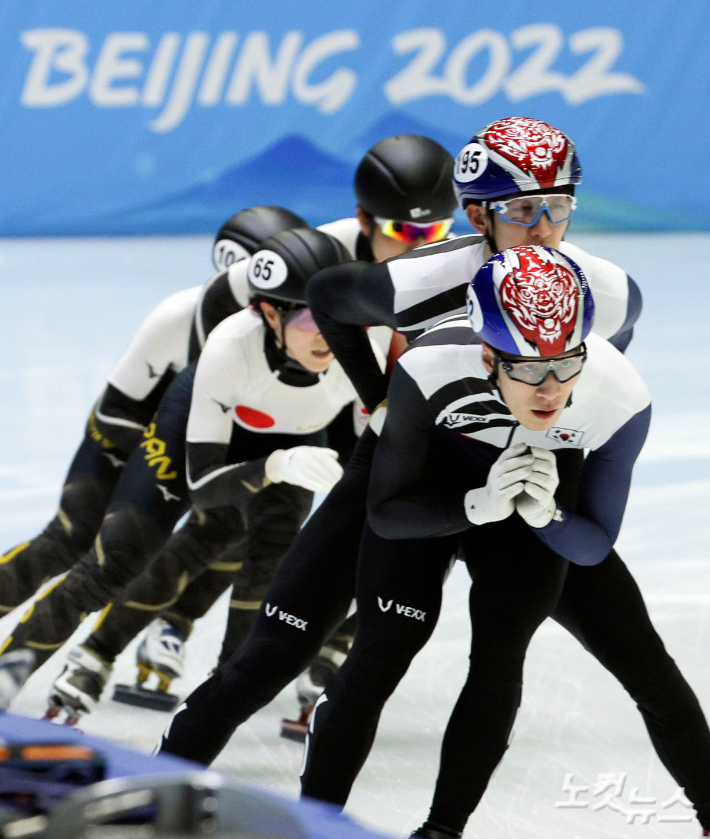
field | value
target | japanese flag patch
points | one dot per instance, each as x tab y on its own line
566	436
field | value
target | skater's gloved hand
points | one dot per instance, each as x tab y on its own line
536	504
494	501
310	467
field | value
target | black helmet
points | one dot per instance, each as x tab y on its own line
243	233
279	270
408	178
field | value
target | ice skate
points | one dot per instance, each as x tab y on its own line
77	690
15	668
429	830
160	654
309	686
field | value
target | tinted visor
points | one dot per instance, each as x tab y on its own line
405	231
301	319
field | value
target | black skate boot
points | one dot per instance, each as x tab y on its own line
431	830
78	688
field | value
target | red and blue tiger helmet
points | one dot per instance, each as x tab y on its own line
530	301
514	155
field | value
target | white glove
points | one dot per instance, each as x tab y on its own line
310	467
537	503
494	501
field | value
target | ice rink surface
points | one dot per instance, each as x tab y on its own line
71	306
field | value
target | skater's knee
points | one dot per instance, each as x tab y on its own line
125	544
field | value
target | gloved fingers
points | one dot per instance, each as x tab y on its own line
541	494
514	451
543	454
519	471
512	490
545	462
325	472
546	480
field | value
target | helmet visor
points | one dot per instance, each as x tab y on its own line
528	209
405	231
535	372
301	319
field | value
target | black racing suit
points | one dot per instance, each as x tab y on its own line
315	581
149	499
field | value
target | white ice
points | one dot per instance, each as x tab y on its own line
70	307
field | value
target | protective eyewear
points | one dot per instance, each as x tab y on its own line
301	319
527	210
535	372
405	231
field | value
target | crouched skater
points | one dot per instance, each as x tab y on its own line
483	442
262	394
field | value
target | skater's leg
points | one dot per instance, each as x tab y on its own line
398	601
309	596
332	654
604	609
203	537
203	592
87	490
79	686
274	518
148	500
513	590
125	542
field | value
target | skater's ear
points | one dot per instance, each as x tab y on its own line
272	315
367	223
488	358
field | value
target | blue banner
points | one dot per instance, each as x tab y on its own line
168	117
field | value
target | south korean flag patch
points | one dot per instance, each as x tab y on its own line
566	436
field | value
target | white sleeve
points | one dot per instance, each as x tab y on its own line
380	337
610	289
346	231
237	276
217	378
160	343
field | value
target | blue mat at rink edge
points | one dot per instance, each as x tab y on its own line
270	815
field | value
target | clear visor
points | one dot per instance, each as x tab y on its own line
527	210
535	372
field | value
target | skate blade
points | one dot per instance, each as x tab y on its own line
297	729
143	698
71	718
294	730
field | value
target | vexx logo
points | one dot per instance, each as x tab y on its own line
405	611
292	620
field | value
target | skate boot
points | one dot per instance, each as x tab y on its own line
161	653
309	686
431	830
78	687
15	668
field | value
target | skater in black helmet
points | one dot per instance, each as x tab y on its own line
408	293
396	169
391	184
169	338
258	421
